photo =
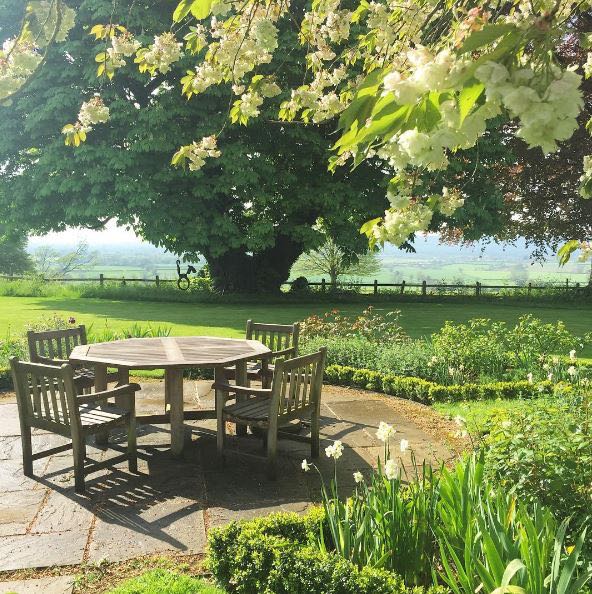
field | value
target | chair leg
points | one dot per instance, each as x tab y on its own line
132	451
78	450
27	451
315	438
221	432
272	439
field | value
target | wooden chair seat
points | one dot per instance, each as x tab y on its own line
92	415
254	409
295	393
48	398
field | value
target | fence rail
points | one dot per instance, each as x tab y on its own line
424	287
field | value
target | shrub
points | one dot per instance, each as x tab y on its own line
544	452
300	285
420	390
370	325
277	555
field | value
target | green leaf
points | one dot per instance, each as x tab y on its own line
566	250
485	36
467	99
182	10
201	9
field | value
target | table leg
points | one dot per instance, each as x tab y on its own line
100	385
173	385
241	380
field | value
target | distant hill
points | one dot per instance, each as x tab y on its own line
126	256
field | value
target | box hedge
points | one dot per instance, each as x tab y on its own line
426	392
276	555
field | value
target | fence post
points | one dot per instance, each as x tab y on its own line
123	280
529	289
157	279
424	288
567	283
402	287
375	287
323	287
477	289
101	279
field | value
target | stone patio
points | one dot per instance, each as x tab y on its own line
171	504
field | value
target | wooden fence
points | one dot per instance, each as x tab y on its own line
423	288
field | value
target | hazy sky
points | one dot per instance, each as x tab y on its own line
112	234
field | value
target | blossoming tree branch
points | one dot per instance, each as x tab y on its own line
408	82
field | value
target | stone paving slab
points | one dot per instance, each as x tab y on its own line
50	585
123	532
170	504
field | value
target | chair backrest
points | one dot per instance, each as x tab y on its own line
276	337
54	344
46	395
297	384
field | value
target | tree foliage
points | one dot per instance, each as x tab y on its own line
250	213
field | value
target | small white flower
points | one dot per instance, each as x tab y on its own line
404	445
358	477
550	376
451	371
506	424
391	470
305	465
572	371
460	421
572	355
384	431
529	377
334	451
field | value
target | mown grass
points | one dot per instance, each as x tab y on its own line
159	581
228	319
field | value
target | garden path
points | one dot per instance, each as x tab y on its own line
171	504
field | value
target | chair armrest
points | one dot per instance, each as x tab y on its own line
125	390
241	390
288	351
50	361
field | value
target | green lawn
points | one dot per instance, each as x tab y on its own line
419	319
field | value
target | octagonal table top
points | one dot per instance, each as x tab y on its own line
162	353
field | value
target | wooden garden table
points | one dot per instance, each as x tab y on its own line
173	354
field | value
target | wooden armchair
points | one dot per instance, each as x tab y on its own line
48	399
295	393
53	347
282	339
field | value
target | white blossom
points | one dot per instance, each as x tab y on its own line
305	465
358	477
335	450
391	470
385	431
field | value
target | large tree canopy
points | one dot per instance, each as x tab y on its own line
251	212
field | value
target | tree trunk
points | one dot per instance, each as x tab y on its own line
238	271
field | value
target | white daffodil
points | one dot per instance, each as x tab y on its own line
305	465
391	470
335	450
358	477
385	431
